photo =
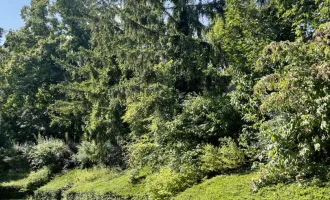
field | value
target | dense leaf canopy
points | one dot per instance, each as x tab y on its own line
175	83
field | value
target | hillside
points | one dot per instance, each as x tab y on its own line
100	183
154	99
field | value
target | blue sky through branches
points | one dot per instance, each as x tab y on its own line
10	11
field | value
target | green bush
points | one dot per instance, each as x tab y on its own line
14	158
178	141
220	159
167	182
204	120
49	152
292	106
91	153
144	152
88	154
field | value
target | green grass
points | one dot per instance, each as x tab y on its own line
237	187
80	184
63	182
100	183
220	187
15	175
22	187
76	176
119	186
33	179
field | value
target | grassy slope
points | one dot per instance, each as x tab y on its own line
102	182
97	181
13	176
119	186
33	179
22	183
236	187
74	177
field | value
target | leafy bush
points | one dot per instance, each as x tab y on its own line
88	154
292	106
167	182
178	142
204	119
144	152
228	156
49	152
91	153
14	158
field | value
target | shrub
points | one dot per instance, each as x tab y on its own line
144	152
88	154
204	120
14	158
91	153
49	152
227	157
292	106
167	182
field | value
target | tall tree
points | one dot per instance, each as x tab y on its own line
28	71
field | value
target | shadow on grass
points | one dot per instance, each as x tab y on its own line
14	175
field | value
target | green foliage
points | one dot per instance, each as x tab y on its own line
49	152
94	183
1	33
144	152
14	158
90	153
167	182
204	119
292	97
163	83
227	157
35	179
